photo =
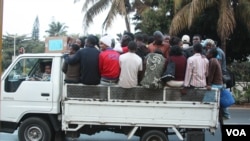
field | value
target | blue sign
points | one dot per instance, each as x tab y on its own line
55	45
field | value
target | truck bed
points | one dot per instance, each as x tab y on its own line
138	107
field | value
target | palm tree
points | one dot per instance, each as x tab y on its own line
57	29
189	11
118	7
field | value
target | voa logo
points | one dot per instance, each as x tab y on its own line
236	132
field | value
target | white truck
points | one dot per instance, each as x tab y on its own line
40	110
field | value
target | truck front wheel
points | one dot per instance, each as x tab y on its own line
35	129
154	135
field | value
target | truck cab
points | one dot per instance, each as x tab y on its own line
23	94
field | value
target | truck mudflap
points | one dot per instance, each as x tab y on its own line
139	107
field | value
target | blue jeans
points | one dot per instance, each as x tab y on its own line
225	111
217	86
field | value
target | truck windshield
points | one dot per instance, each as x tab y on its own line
25	69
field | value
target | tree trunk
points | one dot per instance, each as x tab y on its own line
223	45
127	22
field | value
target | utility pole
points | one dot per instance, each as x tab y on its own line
1	35
1	45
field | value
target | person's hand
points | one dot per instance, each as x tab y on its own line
65	56
184	91
31	79
208	87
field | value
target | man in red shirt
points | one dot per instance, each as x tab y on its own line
108	62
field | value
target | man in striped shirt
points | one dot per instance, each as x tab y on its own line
197	69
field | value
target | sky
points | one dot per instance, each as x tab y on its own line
19	17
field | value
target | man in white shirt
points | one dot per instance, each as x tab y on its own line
131	65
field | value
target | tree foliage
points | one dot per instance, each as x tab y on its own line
227	22
156	15
35	30
30	46
117	7
57	29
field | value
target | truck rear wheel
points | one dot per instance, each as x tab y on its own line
35	129
154	135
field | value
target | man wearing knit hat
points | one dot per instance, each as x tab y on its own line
108	62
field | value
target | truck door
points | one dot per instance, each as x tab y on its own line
26	88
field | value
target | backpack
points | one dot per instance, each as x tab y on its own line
169	73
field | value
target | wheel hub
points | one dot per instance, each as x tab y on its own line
33	134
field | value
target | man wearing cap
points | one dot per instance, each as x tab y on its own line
108	62
89	61
186	41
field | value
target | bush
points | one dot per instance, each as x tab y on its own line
242	75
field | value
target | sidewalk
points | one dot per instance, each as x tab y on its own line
240	106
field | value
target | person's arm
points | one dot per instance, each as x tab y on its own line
188	73
72	59
211	72
140	72
118	48
100	63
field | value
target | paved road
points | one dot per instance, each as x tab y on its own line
239	116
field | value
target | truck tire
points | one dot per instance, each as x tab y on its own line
35	129
154	135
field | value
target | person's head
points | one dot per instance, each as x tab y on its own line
197	48
139	37
132	46
47	68
175	41
150	39
185	39
209	44
105	42
81	41
73	48
126	38
175	51
166	39
21	50
158	37
78	42
91	41
196	39
212	53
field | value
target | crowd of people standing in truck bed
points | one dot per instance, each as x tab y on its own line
141	60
